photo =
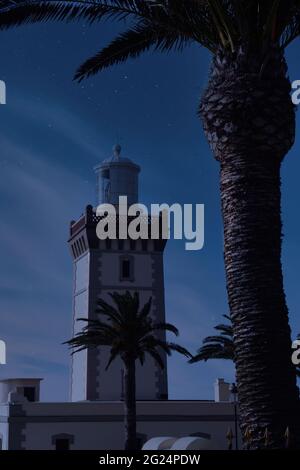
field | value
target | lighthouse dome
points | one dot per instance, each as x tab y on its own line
117	176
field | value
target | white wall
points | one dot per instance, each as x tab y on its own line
174	418
80	306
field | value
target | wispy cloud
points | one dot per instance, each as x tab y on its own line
37	201
64	123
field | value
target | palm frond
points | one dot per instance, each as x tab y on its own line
19	12
125	303
104	308
146	309
225	329
128	330
217	347
179	349
165	327
211	23
222	340
114	352
98	326
151	342
291	30
213	351
156	356
131	44
87	341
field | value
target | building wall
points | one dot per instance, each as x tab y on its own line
80	310
151	382
96	274
4	412
99	426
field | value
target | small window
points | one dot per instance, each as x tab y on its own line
29	393
62	441
62	444
126	268
107	192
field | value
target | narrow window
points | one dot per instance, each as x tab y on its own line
80	246
126	268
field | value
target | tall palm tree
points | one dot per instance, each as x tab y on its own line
221	346
131	334
249	121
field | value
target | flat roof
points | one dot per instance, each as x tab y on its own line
13	379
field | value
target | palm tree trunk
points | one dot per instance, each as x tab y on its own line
249	121
130	404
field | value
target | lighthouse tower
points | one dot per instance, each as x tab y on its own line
104	266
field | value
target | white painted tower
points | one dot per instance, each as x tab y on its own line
104	266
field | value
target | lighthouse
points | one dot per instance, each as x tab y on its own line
117	176
104	266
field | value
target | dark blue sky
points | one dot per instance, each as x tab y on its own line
53	131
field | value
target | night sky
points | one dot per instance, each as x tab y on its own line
53	131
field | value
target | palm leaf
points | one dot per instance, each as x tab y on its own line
213	351
131	44
222	340
145	311
127	330
156	356
114	352
225	329
165	327
179	349
109	311
35	11
217	347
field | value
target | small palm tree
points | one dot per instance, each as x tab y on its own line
217	347
131	334
220	346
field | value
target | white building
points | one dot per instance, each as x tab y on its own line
98	425
104	266
93	419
